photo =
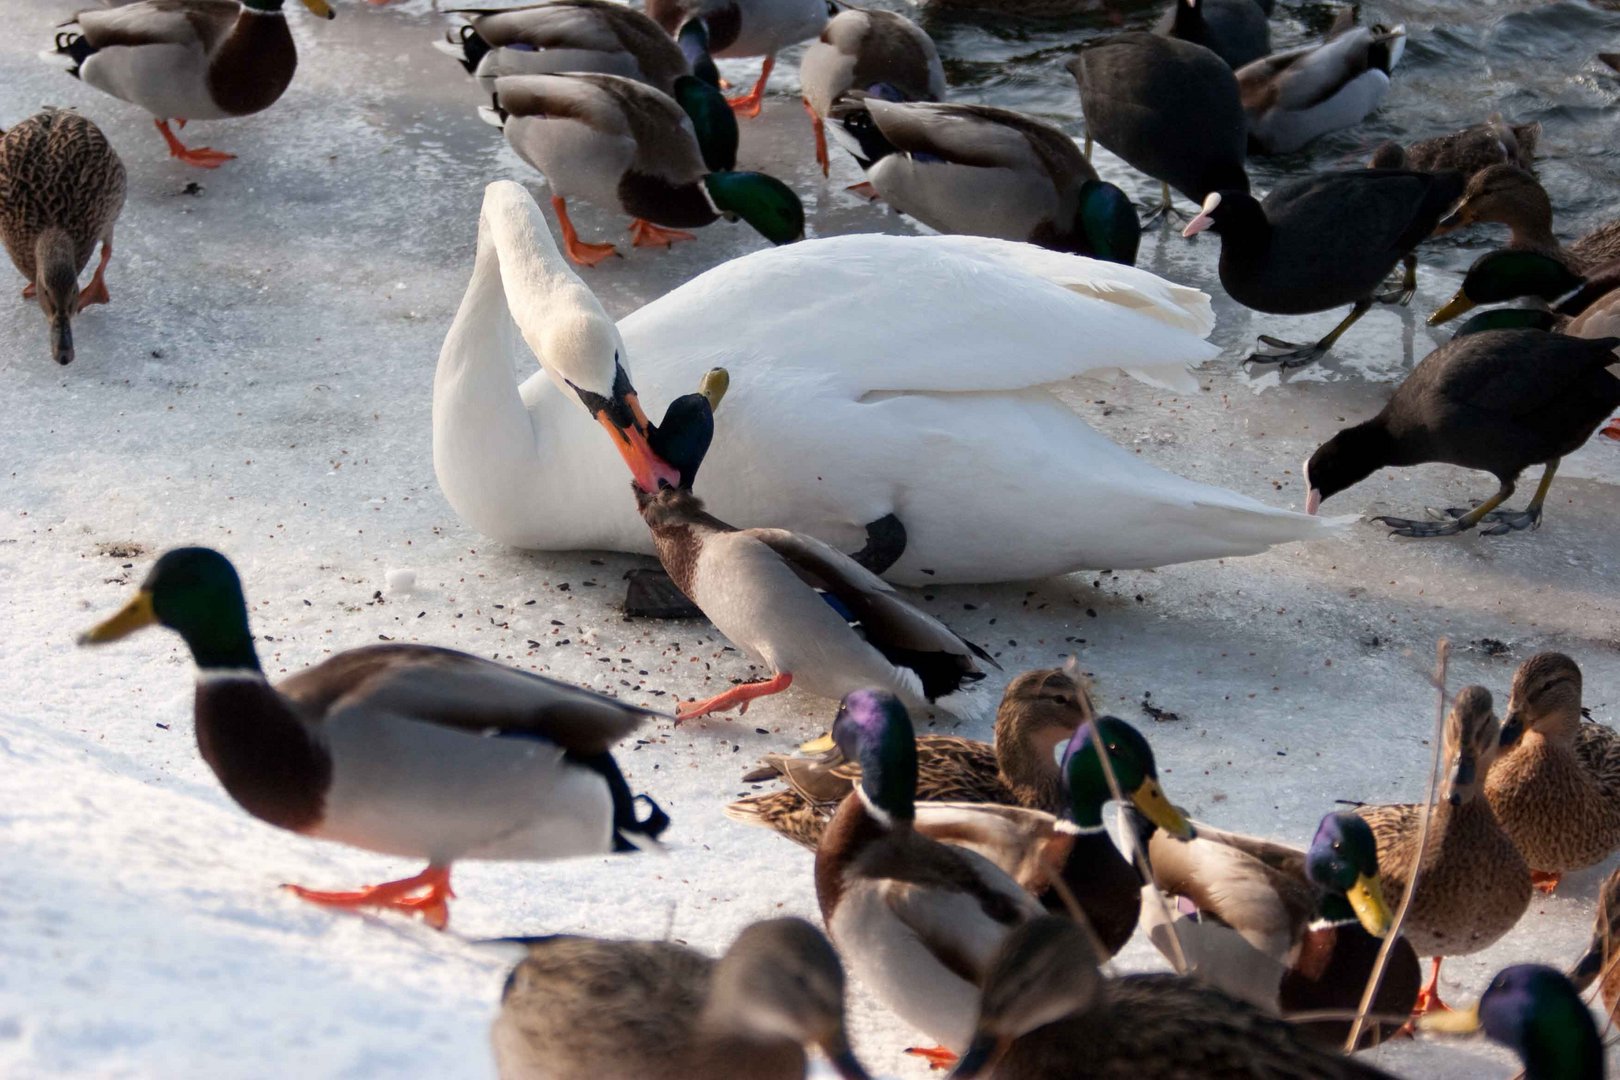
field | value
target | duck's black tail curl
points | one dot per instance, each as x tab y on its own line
72	44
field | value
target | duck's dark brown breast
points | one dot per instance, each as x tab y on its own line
253	65
263	755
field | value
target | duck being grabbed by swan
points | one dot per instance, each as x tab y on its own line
874	378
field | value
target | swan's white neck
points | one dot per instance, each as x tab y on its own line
501	451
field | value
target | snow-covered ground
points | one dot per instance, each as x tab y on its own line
261	384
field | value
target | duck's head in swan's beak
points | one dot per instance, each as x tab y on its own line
619	413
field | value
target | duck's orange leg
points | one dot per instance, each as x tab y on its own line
1612	428
29	292
96	291
201	156
820	127
1545	881
646	234
865	190
749	104
738	696
432	904
1428	1000
579	251
938	1057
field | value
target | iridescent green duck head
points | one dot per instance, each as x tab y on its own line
1342	861
1130	758
873	729
766	203
1499	276
1537	1013
195	592
1105	225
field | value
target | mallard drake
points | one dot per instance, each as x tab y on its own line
583	1008
1169	108
876	51
1599	963
1237	31
1509	274
1039	711
985	171
519	463
389	748
917	921
1469	151
619	143
1474	884
560	36
1499	401
1508	195
1316	916
61	190
1296	96
187	60
735	28
1046	1007
762	589
1556	788
1322	241
1535	1012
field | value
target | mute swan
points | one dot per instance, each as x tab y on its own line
871	376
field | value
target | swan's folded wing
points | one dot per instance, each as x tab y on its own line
870	315
453	689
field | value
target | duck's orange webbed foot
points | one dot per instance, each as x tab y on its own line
1428	999
201	156
938	1057
578	250
646	234
432	904
865	190
819	126
1545	881
738	696
96	291
750	103
29	291
1612	429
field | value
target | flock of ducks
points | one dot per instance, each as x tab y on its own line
973	888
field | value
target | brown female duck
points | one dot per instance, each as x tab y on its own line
1556	787
1039	711
61	190
1508	195
1474	884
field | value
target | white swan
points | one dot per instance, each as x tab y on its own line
871	375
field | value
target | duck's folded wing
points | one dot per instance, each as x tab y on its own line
1280	857
1266	907
892	626
161	22
1597	746
543	26
1011	838
958	134
932	314
453	689
958	905
1303	78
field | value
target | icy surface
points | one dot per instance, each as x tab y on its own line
261	383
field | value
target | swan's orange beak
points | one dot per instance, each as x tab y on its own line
649	470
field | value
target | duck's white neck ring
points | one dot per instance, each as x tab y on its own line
206	676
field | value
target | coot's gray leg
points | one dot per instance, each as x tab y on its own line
1289	354
1408	287
1424	529
1166	207
1506	521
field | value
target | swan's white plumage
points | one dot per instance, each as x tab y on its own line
870	375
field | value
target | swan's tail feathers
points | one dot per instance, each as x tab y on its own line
1221	524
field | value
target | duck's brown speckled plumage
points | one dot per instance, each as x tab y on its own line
1508	195
57	170
1467	151
1474	885
1557	790
1601	963
1039	710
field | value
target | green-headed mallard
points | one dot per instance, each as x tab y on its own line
1556	787
406	750
187	60
1601	961
917	921
1469	151
877	51
1048	1012
1474	884
768	591
1535	1012
735	28
61	189
583	1008
1317	918
1039	711
619	143
560	36
1293	97
984	171
1508	195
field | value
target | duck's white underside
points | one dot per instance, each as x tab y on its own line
997	202
870	375
168	81
506	61
412	789
577	161
1283	131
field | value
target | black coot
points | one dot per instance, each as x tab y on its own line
1498	401
1237	31
1168	108
1322	241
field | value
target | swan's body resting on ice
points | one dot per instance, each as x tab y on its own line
871	375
